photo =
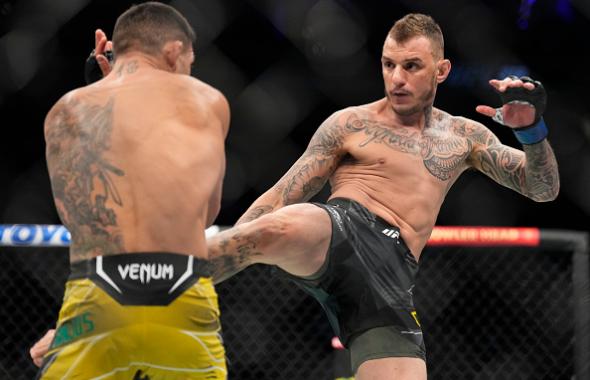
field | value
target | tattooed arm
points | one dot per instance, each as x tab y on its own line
235	249
232	251
309	174
532	172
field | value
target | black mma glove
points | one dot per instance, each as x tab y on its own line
537	97
92	71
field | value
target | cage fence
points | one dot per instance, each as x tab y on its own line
494	303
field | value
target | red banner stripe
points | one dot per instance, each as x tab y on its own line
485	236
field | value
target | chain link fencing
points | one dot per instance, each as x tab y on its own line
487	313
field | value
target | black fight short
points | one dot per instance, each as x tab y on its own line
365	285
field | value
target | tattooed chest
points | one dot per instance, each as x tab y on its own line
442	153
443	157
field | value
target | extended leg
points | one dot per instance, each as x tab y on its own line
295	238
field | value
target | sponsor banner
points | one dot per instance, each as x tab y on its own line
34	235
58	236
47	235
485	236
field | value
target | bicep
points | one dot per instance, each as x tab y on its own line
311	171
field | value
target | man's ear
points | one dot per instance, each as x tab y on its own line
172	50
443	68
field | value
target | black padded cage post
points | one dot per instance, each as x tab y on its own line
578	244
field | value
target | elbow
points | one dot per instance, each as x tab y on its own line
543	199
554	191
546	196
553	195
543	187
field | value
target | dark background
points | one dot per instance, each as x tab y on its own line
285	66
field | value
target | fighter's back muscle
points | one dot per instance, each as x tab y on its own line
134	163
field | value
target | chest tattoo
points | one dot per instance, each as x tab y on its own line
442	152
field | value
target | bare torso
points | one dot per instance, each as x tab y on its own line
136	163
402	174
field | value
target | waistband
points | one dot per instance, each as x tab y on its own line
151	278
383	225
352	205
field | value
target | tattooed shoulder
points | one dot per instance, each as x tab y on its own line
329	137
311	171
444	147
474	131
57	128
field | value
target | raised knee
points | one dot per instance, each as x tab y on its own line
291	225
274	226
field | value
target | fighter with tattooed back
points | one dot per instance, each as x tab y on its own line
390	164
136	162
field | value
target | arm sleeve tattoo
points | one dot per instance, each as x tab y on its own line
532	172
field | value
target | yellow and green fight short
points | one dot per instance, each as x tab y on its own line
138	316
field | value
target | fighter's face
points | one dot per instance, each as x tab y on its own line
410	74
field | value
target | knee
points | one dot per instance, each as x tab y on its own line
274	226
290	226
284	226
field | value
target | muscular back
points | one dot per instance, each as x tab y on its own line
136	162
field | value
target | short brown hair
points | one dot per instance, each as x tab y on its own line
415	25
147	27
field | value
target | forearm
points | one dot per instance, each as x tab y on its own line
229	253
234	249
531	171
266	203
540	172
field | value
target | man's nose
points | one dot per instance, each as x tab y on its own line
398	76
